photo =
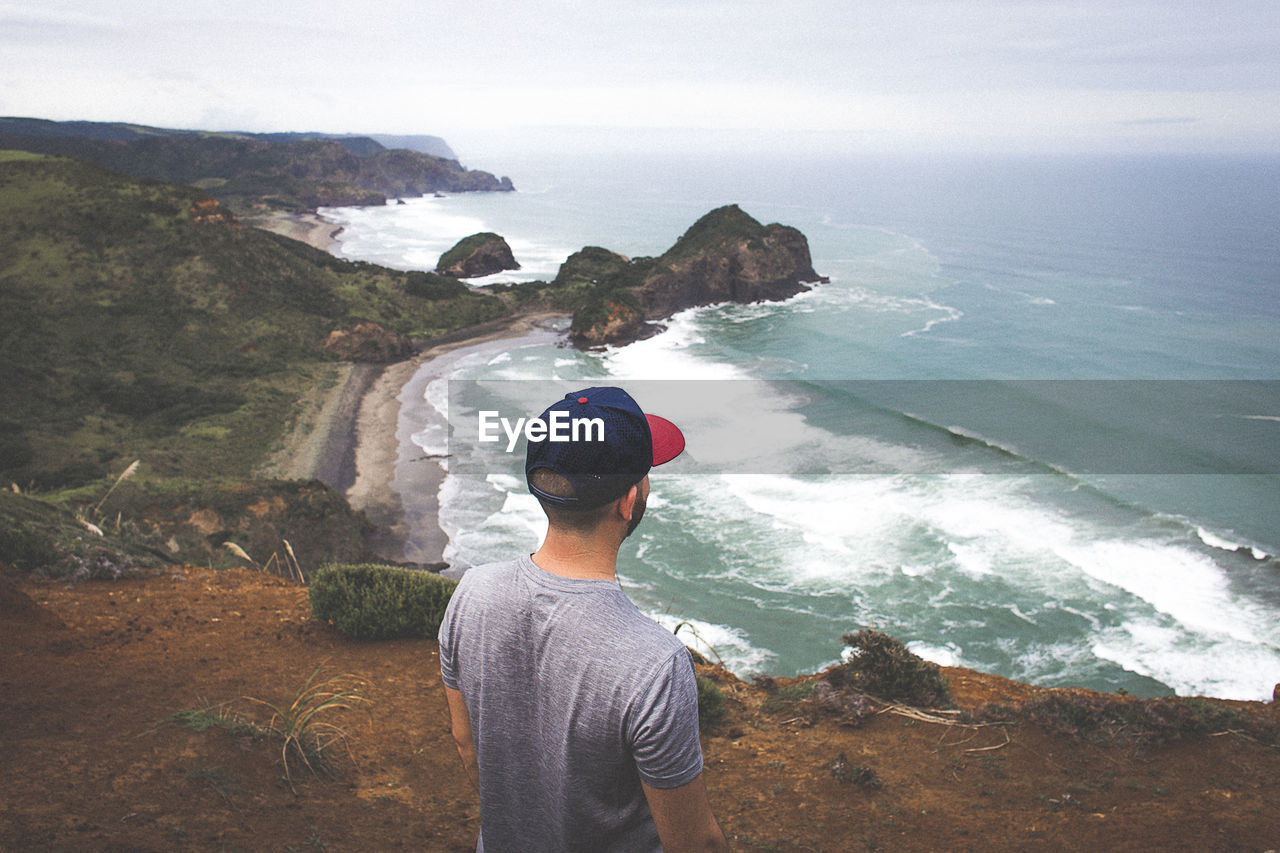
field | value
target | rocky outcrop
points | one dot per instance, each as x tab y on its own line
477	255
591	265
368	342
726	256
611	318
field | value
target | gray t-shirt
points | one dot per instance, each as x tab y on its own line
575	698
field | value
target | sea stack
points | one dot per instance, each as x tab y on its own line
726	256
478	255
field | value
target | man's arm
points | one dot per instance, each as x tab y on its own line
460	725
684	819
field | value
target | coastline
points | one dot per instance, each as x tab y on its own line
392	482
353	435
309	228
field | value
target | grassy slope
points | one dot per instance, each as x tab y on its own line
139	321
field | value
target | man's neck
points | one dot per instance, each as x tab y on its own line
576	557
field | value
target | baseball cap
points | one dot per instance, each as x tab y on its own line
607	445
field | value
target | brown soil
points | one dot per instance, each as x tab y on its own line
88	762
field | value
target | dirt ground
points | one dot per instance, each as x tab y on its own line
92	673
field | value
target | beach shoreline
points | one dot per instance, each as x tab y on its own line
310	228
392	481
354	437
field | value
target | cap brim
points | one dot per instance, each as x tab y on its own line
668	440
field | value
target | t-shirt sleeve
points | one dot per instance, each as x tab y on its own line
448	647
663	728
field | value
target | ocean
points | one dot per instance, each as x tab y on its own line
1030	426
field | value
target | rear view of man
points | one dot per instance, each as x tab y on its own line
575	715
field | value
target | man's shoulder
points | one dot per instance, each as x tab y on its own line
488	572
641	635
486	582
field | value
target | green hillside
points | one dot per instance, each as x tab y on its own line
141	320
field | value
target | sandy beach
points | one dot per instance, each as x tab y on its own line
391	480
309	228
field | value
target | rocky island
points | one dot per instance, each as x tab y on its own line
478	255
726	256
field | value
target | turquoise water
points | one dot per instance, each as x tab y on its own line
1094	532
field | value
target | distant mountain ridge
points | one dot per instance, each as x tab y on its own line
124	132
291	171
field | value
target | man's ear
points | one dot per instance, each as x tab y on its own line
627	503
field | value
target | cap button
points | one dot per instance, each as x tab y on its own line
582	400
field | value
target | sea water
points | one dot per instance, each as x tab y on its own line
1030	426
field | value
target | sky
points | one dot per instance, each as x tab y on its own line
964	75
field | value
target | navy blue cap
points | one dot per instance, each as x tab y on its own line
601	441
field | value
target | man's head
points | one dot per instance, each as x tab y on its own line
610	445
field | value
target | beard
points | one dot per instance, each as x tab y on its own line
637	513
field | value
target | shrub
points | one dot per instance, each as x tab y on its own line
883	667
371	602
710	702
428	285
1105	718
27	549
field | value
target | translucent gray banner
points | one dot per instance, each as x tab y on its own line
908	426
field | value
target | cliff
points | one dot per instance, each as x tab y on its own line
125	700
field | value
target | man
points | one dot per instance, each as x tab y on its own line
576	716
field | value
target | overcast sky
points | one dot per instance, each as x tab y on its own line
951	75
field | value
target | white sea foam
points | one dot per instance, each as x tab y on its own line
942	655
414	235
668	355
1051	662
1187	586
841	529
949	315
720	643
491	523
433	437
1192	665
1213	540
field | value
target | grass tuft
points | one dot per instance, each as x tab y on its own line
302	724
209	716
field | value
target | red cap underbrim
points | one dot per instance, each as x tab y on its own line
668	440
